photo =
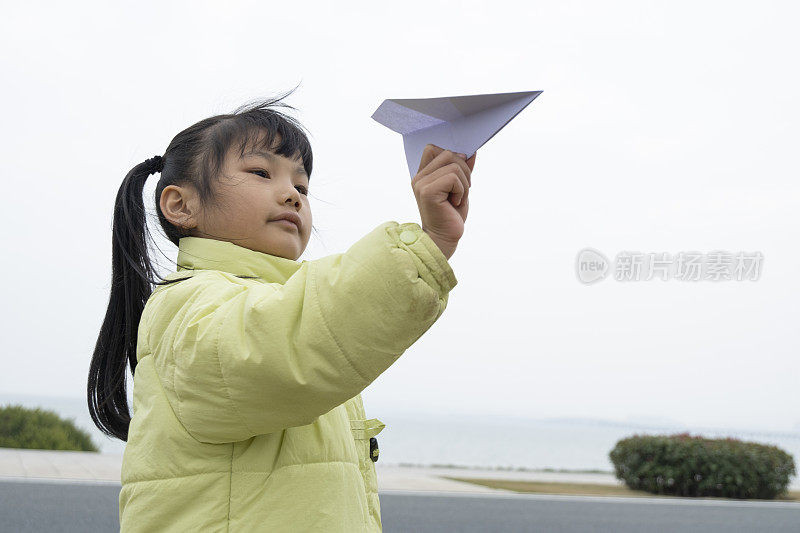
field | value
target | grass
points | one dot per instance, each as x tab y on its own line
575	489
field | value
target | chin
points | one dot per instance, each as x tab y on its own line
283	245
287	253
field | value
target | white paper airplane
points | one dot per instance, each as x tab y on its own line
456	123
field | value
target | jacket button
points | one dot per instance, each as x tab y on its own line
408	236
373	449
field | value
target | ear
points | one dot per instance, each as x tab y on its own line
179	206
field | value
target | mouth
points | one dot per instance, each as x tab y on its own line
286	223
288	220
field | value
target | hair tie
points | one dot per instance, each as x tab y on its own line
155	164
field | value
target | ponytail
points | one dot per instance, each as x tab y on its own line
131	286
193	158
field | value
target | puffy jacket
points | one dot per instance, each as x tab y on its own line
247	411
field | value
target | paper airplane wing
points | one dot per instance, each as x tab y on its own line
457	123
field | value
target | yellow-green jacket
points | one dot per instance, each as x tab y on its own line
247	412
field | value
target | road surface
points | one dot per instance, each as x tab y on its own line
65	507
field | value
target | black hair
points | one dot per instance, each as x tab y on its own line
194	157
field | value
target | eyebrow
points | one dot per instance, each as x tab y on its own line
269	156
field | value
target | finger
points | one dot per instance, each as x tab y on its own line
448	183
451	169
442	159
444	187
471	162
456	186
460	160
463	209
428	154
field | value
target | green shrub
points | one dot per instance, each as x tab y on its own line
682	465
40	429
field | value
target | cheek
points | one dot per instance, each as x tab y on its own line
246	214
255	203
309	222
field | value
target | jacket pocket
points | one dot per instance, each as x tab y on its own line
364	434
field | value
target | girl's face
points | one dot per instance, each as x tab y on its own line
250	194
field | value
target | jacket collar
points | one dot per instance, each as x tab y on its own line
212	254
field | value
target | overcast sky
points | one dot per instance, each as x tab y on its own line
663	127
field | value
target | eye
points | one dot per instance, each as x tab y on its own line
263	173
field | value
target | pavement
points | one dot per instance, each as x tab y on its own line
44	465
66	492
105	468
393	477
93	467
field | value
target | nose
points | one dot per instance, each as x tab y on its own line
293	201
292	196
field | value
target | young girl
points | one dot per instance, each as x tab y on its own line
248	365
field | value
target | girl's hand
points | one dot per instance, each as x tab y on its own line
441	188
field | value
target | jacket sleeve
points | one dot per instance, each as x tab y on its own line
250	359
